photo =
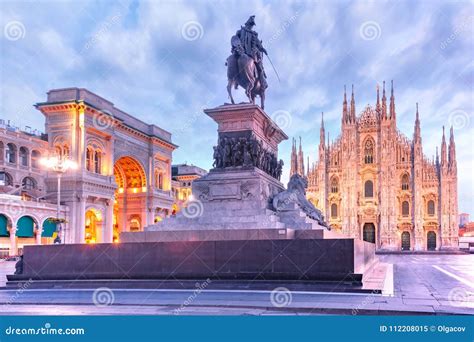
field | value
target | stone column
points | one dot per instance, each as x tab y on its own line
39	231
109	223
81	220
150	217
99	230
13	246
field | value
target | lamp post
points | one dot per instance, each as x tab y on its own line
58	164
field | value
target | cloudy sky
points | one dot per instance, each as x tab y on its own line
163	61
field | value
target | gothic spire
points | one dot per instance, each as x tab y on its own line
344	107
417	135
392	105
352	114
384	102
300	160
377	107
322	134
294	161
452	149
443	150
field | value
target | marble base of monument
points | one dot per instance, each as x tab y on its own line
297	260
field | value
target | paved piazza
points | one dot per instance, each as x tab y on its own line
424	284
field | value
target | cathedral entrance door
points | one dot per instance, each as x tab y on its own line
368	232
431	241
405	241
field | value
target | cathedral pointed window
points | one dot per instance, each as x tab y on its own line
405	182
369	189
405	209
431	208
334	186
369	152
334	210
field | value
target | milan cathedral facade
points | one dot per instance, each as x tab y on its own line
375	184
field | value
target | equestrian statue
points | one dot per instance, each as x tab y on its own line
245	64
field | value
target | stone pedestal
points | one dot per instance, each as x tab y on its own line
237	193
245	119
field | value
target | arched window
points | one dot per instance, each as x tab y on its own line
334	210
334	185
431	208
35	158
6	179
10	154
431	241
405	208
23	156
66	151
88	159
159	179
134	224
62	151
369	189
405	241
368	232
405	182
97	161
369	151
28	183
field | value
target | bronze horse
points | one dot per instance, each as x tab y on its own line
242	71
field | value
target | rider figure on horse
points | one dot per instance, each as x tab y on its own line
246	41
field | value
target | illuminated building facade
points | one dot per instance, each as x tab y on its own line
374	183
183	176
122	183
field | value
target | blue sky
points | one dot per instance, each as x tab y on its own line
163	61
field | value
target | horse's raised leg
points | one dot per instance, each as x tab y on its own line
262	99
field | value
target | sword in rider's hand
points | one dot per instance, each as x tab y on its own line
276	73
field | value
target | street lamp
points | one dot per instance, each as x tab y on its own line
59	165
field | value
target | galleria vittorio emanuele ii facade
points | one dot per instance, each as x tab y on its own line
123	180
374	183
